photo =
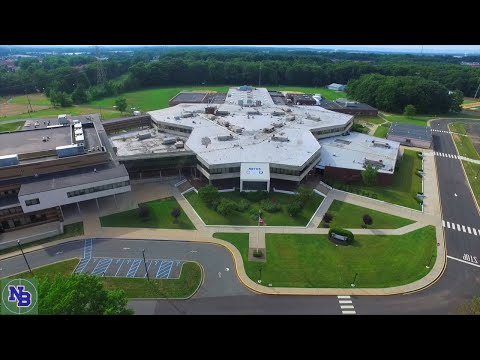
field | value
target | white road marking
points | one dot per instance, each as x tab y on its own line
463	228
345	301
227	269
466	262
343	296
469	230
346	306
126	248
59	252
474	231
455	194
349	312
448	225
443	223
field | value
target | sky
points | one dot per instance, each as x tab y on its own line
472	49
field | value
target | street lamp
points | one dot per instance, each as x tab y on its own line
353	283
31	272
146	269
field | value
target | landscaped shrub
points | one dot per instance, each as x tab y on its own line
269	206
341	232
254	213
367	219
294	208
256	196
374	196
327	217
257	253
304	194
242	205
176	212
210	196
143	212
325	225
226	207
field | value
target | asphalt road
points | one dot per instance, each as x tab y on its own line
223	294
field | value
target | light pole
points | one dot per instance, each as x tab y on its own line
20	246
353	283
146	270
429	261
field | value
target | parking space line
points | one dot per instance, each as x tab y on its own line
82	265
164	269
134	268
474	231
102	266
119	267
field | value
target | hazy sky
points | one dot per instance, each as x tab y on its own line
411	48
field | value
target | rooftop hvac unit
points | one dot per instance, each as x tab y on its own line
268	129
225	137
179	144
187	115
8	160
278	113
280	138
290	118
236	129
169	141
223	123
77	126
144	136
277	125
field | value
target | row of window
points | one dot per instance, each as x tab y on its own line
225	170
9	192
23	220
13	210
97	188
329	131
284	171
174	128
32	202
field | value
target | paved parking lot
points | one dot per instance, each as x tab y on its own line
131	267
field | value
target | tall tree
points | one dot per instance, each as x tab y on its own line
409	111
121	104
369	175
457	101
80	295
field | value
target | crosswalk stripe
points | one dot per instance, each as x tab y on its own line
443	223
448	225
349	312
468	229
463	228
474	231
343	296
345	301
458	227
346	306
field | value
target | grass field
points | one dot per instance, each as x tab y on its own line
326	93
35	99
160	217
312	261
184	287
239	240
464	145
381	131
423	119
350	216
69	231
152	99
457	127
406	184
74	110
11	126
281	218
370	119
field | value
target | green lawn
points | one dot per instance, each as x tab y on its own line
35	99
160	217
11	126
312	261
153	98
457	127
473	174
69	231
381	131
185	287
327	93
406	184
370	119
465	147
239	240
422	119
350	216
74	110
281	218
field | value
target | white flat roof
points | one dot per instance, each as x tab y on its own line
255	171
351	151
253	144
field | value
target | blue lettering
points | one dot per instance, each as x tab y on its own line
20	295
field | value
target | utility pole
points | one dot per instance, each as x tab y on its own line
476	92
29	109
31	272
146	269
101	77
260	75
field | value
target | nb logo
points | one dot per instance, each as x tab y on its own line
20	295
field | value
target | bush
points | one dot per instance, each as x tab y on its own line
242	205
143	212
176	212
256	196
257	253
226	207
254	213
269	206
374	196
325	225
210	196
364	226
367	219
304	194
327	217
294	208
342	232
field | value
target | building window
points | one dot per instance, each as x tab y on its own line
97	188
32	202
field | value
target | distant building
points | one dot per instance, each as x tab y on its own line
336	87
411	135
188	97
349	107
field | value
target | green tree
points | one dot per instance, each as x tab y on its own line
304	194
121	104
209	195
409	110
294	208
457	101
80	295
470	308
79	96
226	207
369	175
